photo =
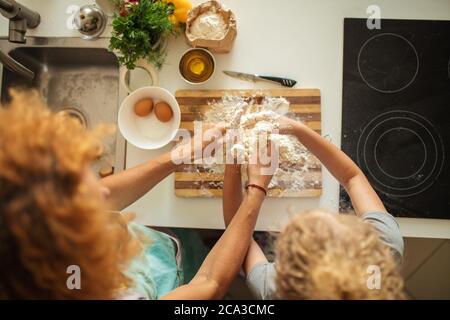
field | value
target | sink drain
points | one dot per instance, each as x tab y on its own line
76	114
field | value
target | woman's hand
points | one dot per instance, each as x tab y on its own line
259	173
255	176
194	147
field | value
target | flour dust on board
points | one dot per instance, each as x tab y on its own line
298	171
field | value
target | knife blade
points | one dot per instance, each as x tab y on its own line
254	77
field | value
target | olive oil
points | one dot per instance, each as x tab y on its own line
197	65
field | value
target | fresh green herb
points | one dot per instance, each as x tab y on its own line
140	32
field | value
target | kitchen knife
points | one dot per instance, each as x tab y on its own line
254	77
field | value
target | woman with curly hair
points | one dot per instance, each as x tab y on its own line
320	255
55	214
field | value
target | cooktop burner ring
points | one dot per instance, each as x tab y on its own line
410	175
392	73
431	165
392	187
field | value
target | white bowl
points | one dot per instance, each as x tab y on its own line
148	132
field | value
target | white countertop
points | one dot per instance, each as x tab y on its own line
302	40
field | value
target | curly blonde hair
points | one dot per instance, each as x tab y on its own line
49	219
321	255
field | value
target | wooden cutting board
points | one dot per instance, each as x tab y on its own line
193	181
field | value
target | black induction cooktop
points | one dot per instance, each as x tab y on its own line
396	112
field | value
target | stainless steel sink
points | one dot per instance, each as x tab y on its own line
79	76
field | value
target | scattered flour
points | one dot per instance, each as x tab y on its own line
256	119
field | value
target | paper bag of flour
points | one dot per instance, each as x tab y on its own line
212	26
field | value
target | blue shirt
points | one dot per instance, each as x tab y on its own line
155	272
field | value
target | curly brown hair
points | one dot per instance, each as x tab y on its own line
321	255
48	218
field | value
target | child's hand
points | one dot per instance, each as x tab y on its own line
286	125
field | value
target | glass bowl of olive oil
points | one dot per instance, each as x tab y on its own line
197	65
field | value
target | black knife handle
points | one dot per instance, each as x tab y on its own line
284	82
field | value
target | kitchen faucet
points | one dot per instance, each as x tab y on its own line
20	19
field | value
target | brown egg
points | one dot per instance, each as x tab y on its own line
143	107
163	111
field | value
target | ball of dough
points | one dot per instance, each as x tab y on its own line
143	107
163	111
